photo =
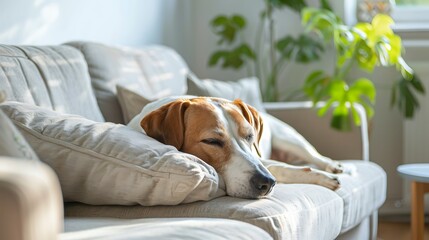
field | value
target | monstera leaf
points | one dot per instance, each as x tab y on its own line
303	49
404	95
234	58
228	27
296	5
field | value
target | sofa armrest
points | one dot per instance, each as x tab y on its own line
317	130
31	202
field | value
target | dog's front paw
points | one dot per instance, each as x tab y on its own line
334	167
327	180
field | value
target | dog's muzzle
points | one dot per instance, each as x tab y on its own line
262	183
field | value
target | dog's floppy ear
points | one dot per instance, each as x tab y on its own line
253	117
166	124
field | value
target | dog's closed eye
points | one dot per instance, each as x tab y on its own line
249	137
213	141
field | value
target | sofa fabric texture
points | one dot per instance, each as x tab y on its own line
156	72
106	163
160	229
31	203
12	143
54	77
293	211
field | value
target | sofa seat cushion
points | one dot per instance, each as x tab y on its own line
55	77
363	192
294	211
153	71
106	163
160	228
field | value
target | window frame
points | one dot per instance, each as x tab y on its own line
408	17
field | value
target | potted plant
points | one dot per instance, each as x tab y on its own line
269	55
366	45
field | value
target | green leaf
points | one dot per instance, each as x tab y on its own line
227	27
322	111
296	5
219	21
404	95
304	49
234	58
325	5
341	122
239	21
345	97
417	84
316	86
321	21
362	87
216	56
355	115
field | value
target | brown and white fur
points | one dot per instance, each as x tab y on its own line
226	134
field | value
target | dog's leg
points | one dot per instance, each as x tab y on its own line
285	173
295	147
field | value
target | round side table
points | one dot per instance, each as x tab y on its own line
419	175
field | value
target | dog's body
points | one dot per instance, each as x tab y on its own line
226	135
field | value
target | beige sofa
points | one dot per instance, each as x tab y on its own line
45	83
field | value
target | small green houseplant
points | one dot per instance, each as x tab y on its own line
365	45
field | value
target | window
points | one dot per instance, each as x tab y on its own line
412	14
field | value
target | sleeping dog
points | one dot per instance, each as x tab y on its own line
227	135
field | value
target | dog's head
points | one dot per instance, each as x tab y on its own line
222	133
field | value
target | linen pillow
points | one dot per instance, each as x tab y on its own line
12	143
131	102
247	89
106	163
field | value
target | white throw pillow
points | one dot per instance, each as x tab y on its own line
106	163
247	89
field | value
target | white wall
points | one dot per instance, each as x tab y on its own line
131	22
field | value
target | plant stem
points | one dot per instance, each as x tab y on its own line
258	40
342	71
273	75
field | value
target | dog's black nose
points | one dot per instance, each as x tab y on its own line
263	184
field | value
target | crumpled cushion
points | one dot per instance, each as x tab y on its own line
106	163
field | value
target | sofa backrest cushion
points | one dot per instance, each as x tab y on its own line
106	163
153	71
55	77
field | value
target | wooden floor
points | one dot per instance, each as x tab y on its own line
397	230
